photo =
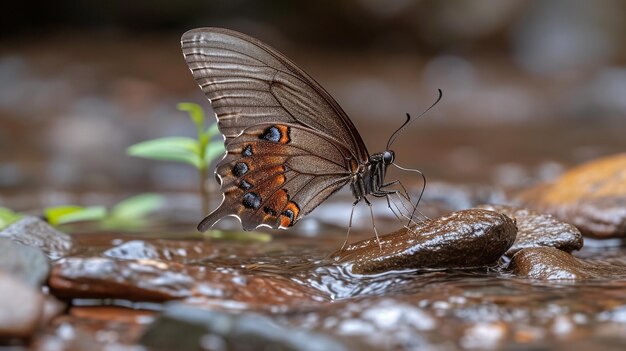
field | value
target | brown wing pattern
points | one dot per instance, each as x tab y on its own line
248	82
269	179
289	144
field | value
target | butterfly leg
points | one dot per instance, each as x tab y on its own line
380	246
406	195
388	197
392	210
349	224
404	192
386	194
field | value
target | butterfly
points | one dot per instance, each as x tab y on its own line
289	145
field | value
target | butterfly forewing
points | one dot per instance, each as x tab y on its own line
289	144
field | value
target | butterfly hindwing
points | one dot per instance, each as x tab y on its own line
269	179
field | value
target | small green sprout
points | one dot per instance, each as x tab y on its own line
130	213
199	152
58	215
7	217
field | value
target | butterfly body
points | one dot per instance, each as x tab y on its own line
289	145
370	179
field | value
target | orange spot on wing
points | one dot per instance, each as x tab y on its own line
278	200
284	134
285	221
267	172
289	215
277	181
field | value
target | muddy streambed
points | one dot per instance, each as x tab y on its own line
517	276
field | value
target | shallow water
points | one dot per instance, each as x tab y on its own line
475	309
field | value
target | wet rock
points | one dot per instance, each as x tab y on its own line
21	307
144	280
463	239
548	263
32	231
113	314
133	250
157	281
539	230
591	196
27	263
187	328
83	333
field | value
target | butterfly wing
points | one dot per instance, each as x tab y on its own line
289	144
268	179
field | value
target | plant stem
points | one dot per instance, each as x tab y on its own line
204	190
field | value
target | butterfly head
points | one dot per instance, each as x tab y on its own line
388	157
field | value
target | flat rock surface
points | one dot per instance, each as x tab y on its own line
539	230
548	263
27	263
591	196
464	239
154	280
32	231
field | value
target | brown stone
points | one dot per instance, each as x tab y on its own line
591	196
548	263
95	277
464	239
158	281
113	313
539	230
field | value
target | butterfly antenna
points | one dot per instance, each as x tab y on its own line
395	134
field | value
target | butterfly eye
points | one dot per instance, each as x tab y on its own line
388	157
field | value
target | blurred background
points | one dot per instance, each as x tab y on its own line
530	87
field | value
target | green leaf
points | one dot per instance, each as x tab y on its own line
213	150
238	235
203	139
212	131
68	214
196	113
7	217
180	149
137	206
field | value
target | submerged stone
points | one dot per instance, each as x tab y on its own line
464	239
591	196
32	231
27	263
158	281
96	277
539	230
187	328
548	263
133	250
